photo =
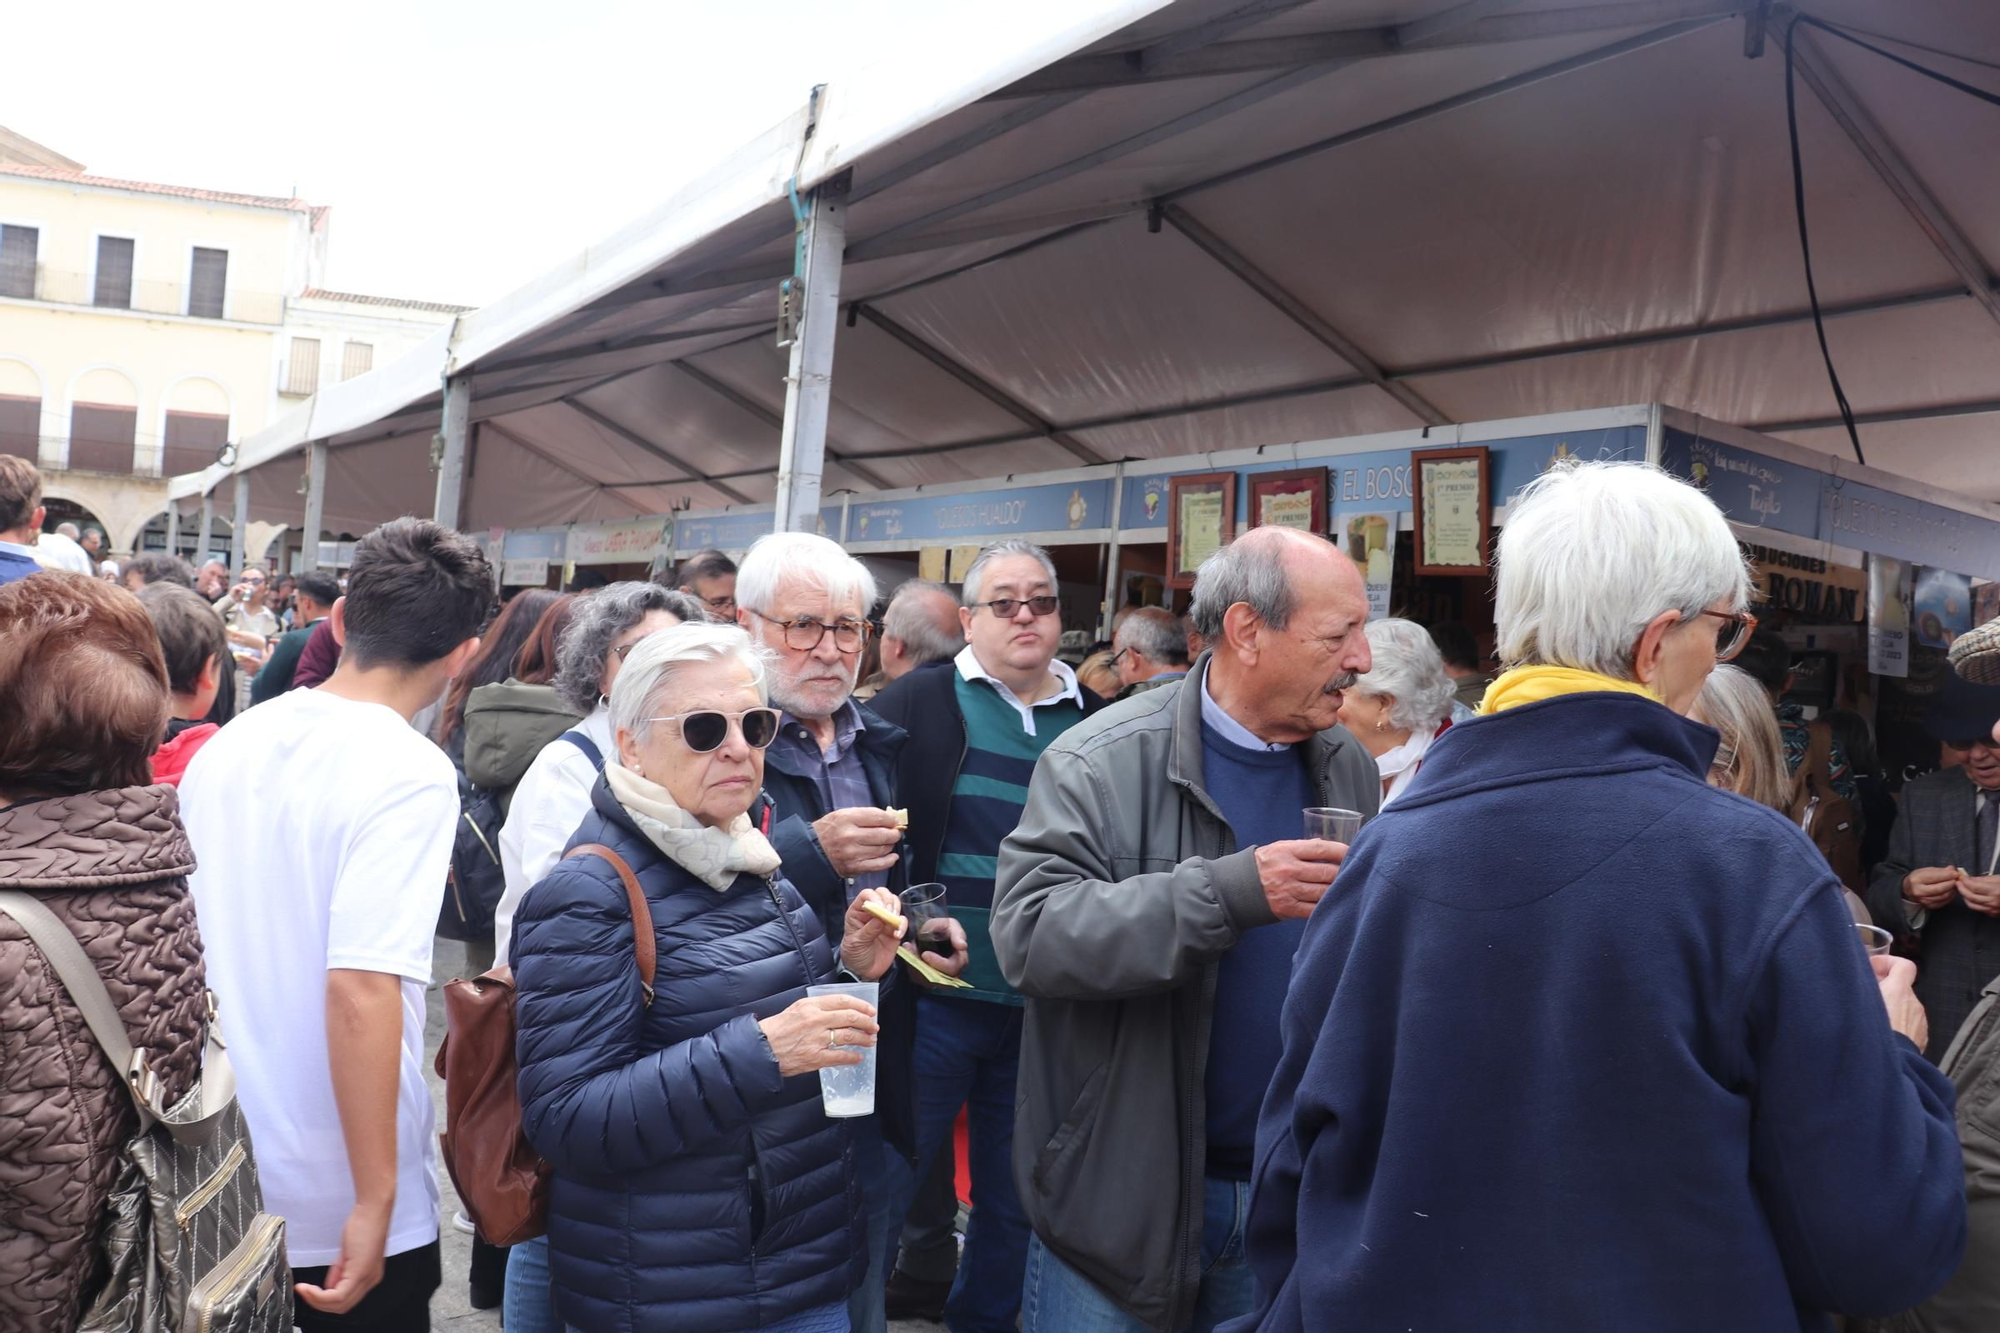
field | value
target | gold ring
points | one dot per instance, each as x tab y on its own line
831	1033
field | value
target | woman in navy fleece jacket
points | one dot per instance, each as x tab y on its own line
1579	1042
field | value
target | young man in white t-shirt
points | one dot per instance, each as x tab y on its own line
317	918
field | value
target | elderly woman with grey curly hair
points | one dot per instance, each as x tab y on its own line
1402	704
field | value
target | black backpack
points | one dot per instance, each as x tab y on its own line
476	881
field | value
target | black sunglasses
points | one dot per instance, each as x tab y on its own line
706	730
1005	607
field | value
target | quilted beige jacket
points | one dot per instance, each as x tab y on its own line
113	865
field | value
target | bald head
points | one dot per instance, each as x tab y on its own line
1275	571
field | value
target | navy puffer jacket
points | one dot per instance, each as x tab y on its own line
694	1188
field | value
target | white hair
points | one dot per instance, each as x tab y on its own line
1594	551
653	662
1408	669
975	576
805	557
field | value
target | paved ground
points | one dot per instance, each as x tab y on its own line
451	1312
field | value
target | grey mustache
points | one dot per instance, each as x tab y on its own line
1344	681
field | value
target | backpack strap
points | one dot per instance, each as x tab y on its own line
87	991
1818	763
585	744
644	943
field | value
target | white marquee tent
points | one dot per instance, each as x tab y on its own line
1156	229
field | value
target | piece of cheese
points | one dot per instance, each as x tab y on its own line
882	913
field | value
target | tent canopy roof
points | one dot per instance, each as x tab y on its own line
1157	229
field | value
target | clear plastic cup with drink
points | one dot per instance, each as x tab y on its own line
1332	823
849	1090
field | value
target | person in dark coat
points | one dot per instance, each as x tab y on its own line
1941	877
698	1182
1580	1041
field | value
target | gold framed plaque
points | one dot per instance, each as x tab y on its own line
1454	513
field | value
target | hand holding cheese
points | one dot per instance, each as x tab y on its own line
860	839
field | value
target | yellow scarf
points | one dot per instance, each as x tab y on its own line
1532	684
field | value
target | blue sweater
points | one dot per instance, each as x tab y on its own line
1263	795
1586	1044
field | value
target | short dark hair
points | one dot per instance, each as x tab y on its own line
415	592
190	632
1455	645
1768	658
85	685
1851	730
708	564
20	492
319	585
155	567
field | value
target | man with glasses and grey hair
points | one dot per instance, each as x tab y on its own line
1579	1041
1148	907
976	731
831	776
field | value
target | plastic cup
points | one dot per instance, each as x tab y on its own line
1332	823
849	1090
924	904
1875	940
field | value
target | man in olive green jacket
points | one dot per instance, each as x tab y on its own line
1151	939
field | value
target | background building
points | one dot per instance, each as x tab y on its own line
143	326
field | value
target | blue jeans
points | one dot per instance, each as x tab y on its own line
966	1053
874	1161
528	1304
1058	1299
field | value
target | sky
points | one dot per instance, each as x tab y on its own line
465	148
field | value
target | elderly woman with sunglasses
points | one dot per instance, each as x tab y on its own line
698	1182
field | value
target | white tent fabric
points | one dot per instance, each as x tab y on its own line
1145	230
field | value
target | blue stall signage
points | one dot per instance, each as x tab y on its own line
1379	481
972	516
545	544
1759	491
725	532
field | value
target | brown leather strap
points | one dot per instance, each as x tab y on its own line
646	946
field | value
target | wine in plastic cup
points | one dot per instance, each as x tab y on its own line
924	908
849	1090
1875	939
1332	823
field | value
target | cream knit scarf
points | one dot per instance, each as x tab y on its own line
715	856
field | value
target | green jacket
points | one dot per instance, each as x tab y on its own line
1117	895
506	726
276	676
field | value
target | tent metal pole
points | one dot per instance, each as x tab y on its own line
809	381
1886	417
1300	313
1419	31
315	516
1656	433
991	392
448	457
207	530
752	407
173	529
1866	132
239	524
1111	571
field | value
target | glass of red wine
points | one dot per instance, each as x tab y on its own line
924	908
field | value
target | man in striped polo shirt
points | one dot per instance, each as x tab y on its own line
975	734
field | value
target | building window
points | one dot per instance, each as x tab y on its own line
302	372
206	281
20	426
193	440
17	261
101	437
356	359
114	272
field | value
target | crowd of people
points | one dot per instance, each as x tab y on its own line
1578	1032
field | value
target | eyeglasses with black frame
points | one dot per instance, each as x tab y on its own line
705	730
1737	637
804	634
1008	607
725	602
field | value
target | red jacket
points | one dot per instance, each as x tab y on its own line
171	760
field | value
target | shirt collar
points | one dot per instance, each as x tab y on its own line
1228	727
15	548
847	724
969	667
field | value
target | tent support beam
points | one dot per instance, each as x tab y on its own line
992	393
1262	54
454	431
206	533
538	452
1868	136
1299	313
809	378
173	529
315	516
634	438
1419	31
1886	417
239	523
772	419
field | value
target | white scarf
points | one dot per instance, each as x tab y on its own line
715	856
1401	763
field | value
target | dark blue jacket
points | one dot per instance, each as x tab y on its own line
1578	1042
694	1188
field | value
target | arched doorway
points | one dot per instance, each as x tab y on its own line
62	511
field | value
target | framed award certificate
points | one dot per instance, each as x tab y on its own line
1453	510
1201	520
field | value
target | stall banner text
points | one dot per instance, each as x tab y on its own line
980	516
